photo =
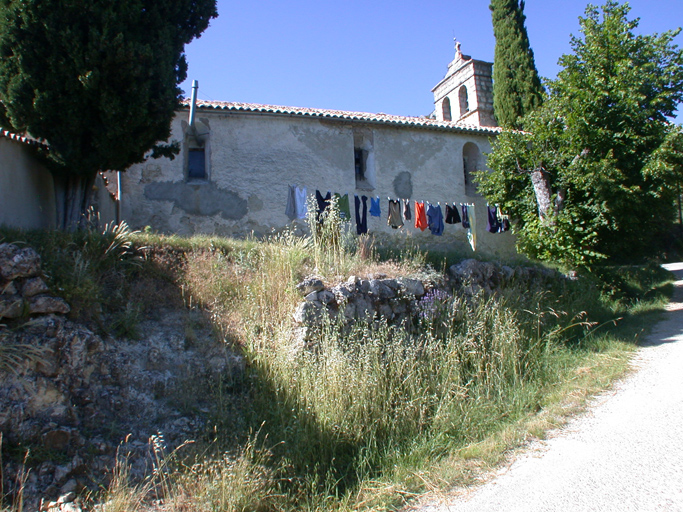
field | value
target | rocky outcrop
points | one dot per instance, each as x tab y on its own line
71	396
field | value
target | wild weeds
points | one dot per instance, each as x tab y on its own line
352	413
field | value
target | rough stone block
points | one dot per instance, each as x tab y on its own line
413	287
57	440
380	290
341	293
309	285
45	305
16	262
308	313
385	311
11	306
8	288
326	297
34	286
364	309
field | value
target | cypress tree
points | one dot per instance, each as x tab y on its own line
517	88
97	79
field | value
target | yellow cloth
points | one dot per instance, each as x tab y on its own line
472	230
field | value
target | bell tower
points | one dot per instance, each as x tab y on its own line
465	95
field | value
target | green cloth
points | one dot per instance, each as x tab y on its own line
343	205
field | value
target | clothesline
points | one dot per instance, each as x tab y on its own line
427	214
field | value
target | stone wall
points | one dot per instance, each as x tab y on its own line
402	299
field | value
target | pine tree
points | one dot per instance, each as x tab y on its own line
517	88
97	79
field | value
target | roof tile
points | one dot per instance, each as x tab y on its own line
419	122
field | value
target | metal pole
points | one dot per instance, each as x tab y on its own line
193	102
118	197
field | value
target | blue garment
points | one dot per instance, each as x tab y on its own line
374	207
435	219
290	209
361	215
465	217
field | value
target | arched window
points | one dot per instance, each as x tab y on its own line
464	105
446	109
471	162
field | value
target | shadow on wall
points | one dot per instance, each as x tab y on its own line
199	199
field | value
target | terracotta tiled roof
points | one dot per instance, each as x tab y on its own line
419	122
21	138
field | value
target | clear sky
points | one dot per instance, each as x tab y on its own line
372	55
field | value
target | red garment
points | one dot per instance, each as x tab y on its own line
420	216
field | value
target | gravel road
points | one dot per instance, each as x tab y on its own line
625	453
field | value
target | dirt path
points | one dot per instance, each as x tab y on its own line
624	454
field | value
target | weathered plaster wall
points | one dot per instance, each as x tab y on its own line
254	158
27	196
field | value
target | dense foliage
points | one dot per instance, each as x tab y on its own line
517	88
594	175
98	80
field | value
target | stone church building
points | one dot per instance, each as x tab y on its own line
238	161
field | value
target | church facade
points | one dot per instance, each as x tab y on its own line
239	163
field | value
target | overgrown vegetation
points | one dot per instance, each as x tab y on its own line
359	418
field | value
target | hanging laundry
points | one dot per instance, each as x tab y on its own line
300	202
406	210
290	209
435	219
361	215
465	216
420	216
504	221
394	218
472	231
374	207
323	203
343	206
492	224
452	215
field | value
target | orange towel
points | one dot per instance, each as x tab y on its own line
420	216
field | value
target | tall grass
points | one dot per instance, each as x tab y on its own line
357	416
363	400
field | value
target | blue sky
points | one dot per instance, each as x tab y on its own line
372	56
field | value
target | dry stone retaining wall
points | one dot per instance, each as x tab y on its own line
398	300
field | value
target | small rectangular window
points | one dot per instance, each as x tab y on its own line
359	159
196	164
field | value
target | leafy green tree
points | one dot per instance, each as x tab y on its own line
517	89
97	80
593	175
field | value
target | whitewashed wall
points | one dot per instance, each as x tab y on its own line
254	157
27	195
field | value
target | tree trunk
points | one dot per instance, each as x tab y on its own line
78	198
539	178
